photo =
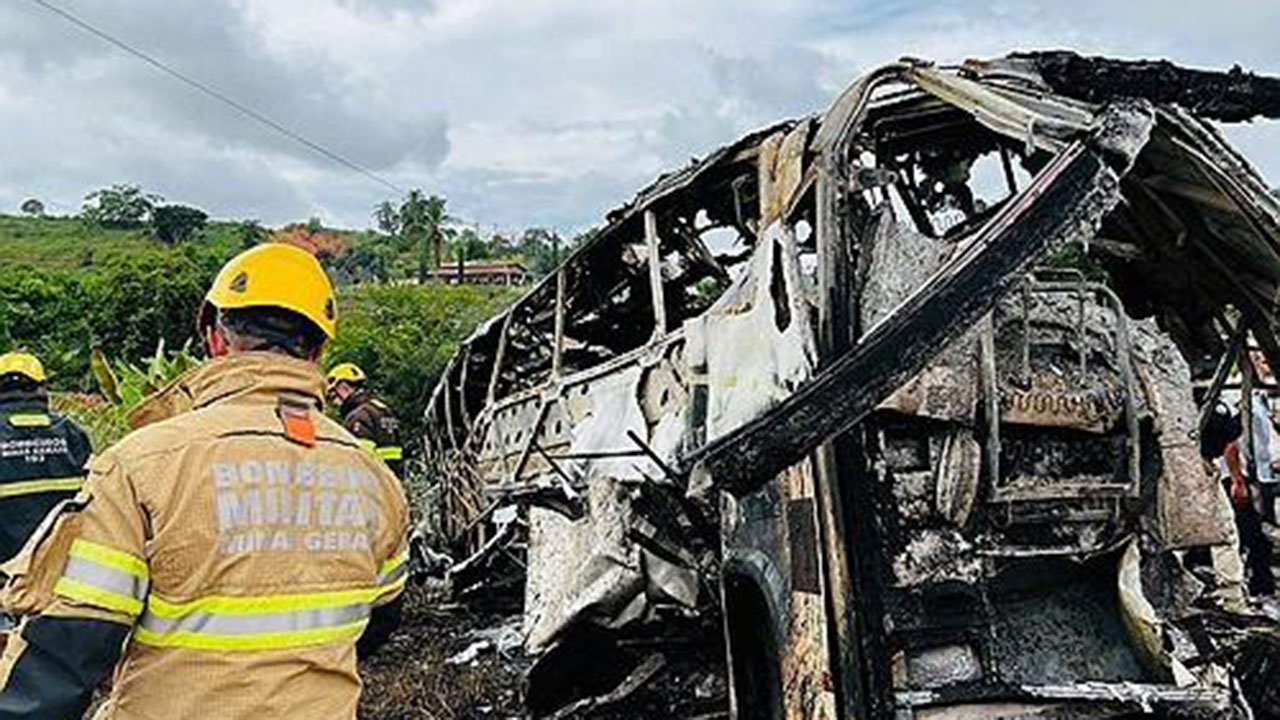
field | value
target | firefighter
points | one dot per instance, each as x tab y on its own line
232	560
42	454
367	417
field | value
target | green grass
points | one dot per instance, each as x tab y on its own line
67	243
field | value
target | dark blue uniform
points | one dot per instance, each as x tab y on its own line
42	462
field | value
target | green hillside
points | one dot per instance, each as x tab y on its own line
64	242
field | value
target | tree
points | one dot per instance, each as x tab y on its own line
501	246
360	264
541	248
33	207
434	233
417	222
387	217
119	206
467	245
175	223
251	233
313	237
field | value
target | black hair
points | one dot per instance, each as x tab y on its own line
1220	430
271	328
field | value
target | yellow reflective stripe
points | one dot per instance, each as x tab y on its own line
31	420
110	557
393	574
263	622
390	452
393	563
30	487
368	446
393	569
394	586
260	641
97	575
106	578
96	596
260	604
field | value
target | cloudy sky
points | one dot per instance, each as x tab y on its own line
521	112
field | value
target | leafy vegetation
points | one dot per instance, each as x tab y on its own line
121	386
125	384
33	207
101	296
123	307
251	232
403	335
417	222
104	422
119	206
176	223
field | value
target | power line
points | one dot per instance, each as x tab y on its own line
218	95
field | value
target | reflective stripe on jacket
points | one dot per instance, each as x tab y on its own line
42	458
246	557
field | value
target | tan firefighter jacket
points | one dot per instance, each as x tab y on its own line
245	540
375	427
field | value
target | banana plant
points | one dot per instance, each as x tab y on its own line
125	384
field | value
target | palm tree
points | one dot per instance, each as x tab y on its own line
418	222
436	219
387	217
422	221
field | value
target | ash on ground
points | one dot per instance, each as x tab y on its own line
465	661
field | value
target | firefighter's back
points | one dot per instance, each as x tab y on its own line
376	427
266	534
42	458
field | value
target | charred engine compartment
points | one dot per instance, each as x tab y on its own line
1008	513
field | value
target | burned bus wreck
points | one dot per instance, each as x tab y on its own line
901	395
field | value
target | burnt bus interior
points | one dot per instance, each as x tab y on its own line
961	477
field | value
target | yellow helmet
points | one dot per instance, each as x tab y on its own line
349	372
274	275
21	363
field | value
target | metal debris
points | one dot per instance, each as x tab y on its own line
823	385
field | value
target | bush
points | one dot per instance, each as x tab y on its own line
402	336
121	386
124	307
47	313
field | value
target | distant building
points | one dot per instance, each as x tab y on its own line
484	273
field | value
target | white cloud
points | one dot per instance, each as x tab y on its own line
529	112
